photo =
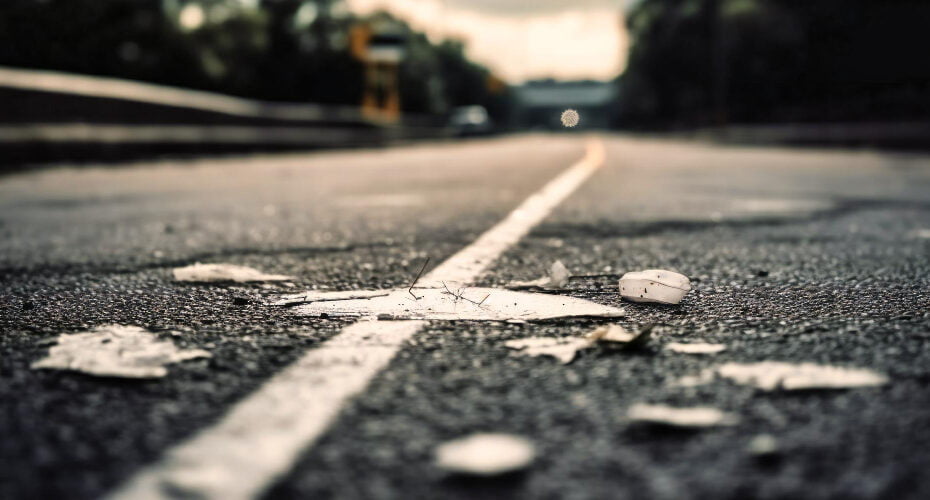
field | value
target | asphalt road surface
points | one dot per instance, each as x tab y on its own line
795	255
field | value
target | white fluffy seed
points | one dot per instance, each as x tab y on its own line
570	118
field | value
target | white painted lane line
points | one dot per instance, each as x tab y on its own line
260	438
464	267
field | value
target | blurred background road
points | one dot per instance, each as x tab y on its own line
775	152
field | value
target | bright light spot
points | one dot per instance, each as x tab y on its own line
306	15
191	17
570	118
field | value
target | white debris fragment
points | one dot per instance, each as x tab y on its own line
763	445
116	351
486	454
775	375
698	416
616	337
695	348
449	303
563	349
654	285
557	278
224	272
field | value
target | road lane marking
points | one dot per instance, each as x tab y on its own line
259	440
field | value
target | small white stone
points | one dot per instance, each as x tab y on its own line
654	285
763	445
486	454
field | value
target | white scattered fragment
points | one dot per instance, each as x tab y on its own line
763	445
486	454
563	349
695	348
698	416
473	304
775	375
224	272
921	233
570	118
557	278
616	337
116	351
654	285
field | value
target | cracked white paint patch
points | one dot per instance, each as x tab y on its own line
775	375
695	348
116	351
485	454
208	273
476	304
698	416
563	349
557	278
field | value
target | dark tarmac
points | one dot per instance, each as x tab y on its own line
795	255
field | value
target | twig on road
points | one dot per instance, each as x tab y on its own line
420	273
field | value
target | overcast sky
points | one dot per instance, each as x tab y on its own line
524	39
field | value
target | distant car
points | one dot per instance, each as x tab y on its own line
470	120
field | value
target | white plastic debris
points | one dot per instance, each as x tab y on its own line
654	285
203	273
616	337
486	454
116	351
563	349
775	375
557	278
699	416
695	348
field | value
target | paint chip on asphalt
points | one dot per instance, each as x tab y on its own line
116	351
485	454
212	273
698	416
654	285
775	375
557	278
563	349
695	348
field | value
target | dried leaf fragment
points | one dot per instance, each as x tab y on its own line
563	349
116	351
654	285
698	416
616	337
485	454
211	273
695	348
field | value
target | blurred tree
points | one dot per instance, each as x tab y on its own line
286	50
699	61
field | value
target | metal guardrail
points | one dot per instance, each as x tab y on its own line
147	93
